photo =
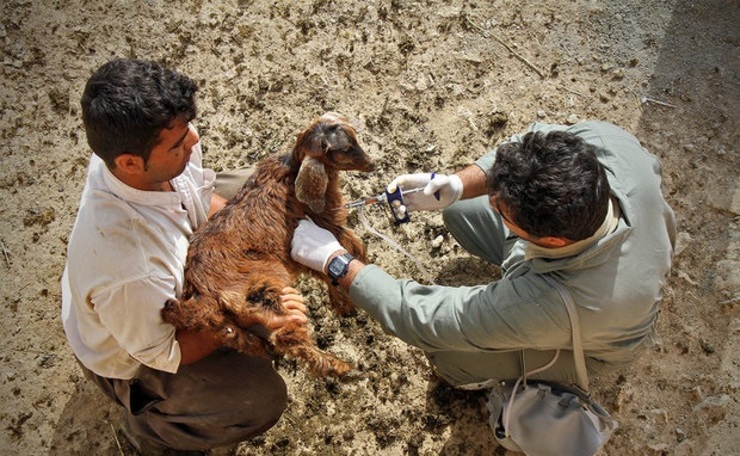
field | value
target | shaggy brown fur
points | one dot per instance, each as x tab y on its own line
239	261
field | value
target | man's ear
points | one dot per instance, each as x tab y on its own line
554	242
129	163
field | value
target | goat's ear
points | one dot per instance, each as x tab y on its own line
311	183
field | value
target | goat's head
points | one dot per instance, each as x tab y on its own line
329	144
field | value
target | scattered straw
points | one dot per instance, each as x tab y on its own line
115	437
6	254
487	34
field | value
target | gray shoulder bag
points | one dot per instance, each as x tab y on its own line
549	419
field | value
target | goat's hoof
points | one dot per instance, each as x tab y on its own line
169	311
348	311
352	376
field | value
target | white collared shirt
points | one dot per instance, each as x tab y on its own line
125	258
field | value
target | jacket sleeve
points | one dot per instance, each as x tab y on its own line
503	315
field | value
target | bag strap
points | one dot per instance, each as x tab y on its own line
578	355
507	410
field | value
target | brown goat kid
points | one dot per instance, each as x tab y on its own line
239	261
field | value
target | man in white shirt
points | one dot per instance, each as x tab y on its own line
145	194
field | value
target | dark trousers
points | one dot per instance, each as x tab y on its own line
223	399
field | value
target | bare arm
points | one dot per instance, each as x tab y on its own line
474	181
217	203
195	346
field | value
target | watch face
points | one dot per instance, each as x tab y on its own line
337	266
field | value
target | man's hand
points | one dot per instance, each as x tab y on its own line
295	312
313	246
292	302
448	187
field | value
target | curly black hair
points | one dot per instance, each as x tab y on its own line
126	103
551	185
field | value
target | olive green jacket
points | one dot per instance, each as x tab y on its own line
616	281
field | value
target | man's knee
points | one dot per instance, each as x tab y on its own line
454	218
271	399
476	228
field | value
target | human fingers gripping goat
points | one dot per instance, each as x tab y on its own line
296	310
293	313
292	299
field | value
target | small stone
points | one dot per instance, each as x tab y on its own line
660	415
683	241
437	242
706	346
714	407
658	448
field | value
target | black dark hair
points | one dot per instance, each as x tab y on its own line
126	103
551	185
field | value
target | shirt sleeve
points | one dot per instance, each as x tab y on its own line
132	314
503	315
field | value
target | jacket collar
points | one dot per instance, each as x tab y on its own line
609	224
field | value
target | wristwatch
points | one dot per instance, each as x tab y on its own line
338	267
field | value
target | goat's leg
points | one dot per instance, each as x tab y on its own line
244	341
349	241
295	342
203	314
259	303
339	300
193	314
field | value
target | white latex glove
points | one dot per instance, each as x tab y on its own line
450	190
312	245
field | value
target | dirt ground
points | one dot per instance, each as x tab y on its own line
435	84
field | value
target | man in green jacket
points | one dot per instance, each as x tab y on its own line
581	205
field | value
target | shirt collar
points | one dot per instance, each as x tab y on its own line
136	196
607	226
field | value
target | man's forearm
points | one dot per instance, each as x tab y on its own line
217	203
195	346
474	181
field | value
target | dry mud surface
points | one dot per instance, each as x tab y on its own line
434	84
